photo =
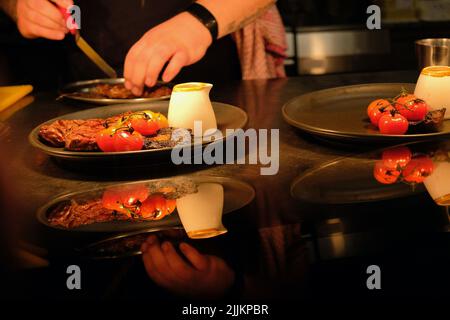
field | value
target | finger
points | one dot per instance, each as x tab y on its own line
130	61
159	261
43	32
151	271
178	61
36	19
63	3
155	65
176	263
162	278
138	77
199	261
47	12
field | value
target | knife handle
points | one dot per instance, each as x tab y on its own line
67	16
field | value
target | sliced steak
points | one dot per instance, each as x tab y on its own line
73	214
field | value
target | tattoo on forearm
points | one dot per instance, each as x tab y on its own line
236	25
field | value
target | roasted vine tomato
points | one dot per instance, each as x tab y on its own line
385	175
393	123
144	126
404	98
418	169
128	140
413	110
147	122
105	139
157	207
396	158
377	104
125	199
376	109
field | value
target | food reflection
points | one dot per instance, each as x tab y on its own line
401	165
432	168
438	184
201	212
128	202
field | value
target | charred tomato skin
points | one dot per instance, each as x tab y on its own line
384	174
393	123
413	110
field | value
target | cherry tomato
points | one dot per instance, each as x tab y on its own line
105	139
404	97
396	158
418	169
161	120
125	199
393	123
376	110
124	140
385	175
157	207
413	110
377	104
144	126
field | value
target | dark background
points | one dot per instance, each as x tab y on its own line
42	63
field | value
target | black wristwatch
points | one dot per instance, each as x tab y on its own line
205	17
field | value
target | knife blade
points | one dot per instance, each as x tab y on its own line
94	56
85	47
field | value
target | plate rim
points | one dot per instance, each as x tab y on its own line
107	101
349	135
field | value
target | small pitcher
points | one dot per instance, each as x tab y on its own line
190	102
201	212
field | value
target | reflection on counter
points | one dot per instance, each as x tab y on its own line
201	212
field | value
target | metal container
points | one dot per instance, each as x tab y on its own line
433	52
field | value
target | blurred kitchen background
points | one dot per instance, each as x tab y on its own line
324	36
329	36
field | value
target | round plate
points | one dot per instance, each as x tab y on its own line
340	113
228	117
348	180
72	91
237	195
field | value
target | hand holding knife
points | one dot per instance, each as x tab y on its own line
84	46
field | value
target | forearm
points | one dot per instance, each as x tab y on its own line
9	7
232	15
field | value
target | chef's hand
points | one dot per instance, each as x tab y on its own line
41	19
195	275
180	41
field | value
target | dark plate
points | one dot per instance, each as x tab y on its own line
347	180
237	195
72	91
340	113
228	117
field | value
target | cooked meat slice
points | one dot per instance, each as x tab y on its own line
54	134
73	214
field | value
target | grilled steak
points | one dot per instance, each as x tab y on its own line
72	134
73	214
